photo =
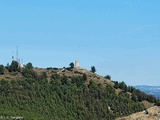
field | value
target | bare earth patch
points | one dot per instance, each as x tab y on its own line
153	114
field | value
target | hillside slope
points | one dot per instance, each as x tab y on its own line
65	93
73	72
68	72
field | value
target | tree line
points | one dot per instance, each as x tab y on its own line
137	95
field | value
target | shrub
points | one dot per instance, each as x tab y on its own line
108	77
93	69
1	69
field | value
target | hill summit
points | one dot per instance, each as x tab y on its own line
66	93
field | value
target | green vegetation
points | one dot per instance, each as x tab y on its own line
28	71
13	67
1	69
71	65
108	77
60	97
137	95
29	65
93	69
63	99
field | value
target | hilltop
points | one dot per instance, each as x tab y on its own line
68	72
67	93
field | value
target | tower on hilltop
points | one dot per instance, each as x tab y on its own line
77	65
20	65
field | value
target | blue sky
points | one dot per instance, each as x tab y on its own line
119	37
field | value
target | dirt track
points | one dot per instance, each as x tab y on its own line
153	114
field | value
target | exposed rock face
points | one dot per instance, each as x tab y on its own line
153	114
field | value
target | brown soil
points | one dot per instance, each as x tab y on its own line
61	71
153	114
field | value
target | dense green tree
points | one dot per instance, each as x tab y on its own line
34	99
64	80
158	103
1	69
66	98
137	95
14	66
28	72
7	66
122	85
79	81
93	69
134	97
29	65
55	76
116	84
84	77
108	77
130	89
71	65
43	76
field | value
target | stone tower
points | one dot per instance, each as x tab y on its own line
77	64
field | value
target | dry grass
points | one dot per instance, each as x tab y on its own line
62	71
148	104
153	114
79	72
11	75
